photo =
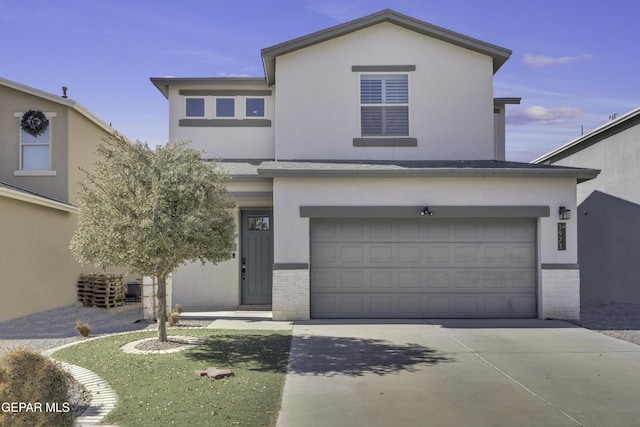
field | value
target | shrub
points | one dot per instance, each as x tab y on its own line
173	319
83	329
28	378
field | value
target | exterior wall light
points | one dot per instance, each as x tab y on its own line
426	211
564	213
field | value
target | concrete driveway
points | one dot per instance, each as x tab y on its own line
459	373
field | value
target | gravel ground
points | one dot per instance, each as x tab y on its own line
618	320
53	328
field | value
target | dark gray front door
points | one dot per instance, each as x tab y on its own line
257	256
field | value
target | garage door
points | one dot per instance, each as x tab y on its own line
406	268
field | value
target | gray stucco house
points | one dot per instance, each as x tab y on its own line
608	214
368	169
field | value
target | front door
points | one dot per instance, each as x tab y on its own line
257	256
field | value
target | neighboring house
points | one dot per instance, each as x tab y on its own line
368	170
608	214
38	187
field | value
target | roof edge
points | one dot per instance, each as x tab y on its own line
163	83
26	196
499	54
59	100
307	170
557	154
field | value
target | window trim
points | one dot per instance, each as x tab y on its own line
240	117
35	172
363	138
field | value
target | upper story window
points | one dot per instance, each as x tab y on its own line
225	107
195	107
35	147
35	151
254	107
384	104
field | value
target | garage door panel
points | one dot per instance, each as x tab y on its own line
345	280
418	268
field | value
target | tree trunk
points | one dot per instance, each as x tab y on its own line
162	309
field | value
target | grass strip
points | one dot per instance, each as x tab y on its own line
163	389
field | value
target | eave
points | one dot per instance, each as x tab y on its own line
434	169
499	54
163	83
612	127
16	193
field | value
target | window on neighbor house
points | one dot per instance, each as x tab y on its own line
35	151
195	107
384	105
225	107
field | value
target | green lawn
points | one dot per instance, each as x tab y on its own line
163	389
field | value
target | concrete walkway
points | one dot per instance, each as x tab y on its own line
459	373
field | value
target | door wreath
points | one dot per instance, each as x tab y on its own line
34	122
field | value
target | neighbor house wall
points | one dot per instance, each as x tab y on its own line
608	216
14	102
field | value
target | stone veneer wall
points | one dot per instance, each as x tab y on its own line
291	295
150	298
560	292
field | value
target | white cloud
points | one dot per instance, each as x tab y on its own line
541	115
540	61
233	75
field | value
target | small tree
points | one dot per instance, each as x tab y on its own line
152	210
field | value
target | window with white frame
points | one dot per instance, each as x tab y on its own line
225	107
384	105
194	107
254	107
35	151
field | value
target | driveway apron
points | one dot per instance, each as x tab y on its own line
459	373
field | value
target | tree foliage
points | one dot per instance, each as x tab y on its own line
152	210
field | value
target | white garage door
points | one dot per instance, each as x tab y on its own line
406	268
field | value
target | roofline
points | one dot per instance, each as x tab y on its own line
59	100
306	171
163	83
504	101
590	138
499	54
26	196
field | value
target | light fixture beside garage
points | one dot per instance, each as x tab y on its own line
426	211
564	213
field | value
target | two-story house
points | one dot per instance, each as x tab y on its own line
369	174
39	174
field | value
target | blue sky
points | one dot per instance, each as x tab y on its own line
574	64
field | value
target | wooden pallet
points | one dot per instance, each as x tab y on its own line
101	290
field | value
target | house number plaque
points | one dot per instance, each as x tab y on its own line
562	236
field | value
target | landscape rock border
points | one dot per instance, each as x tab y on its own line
187	343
